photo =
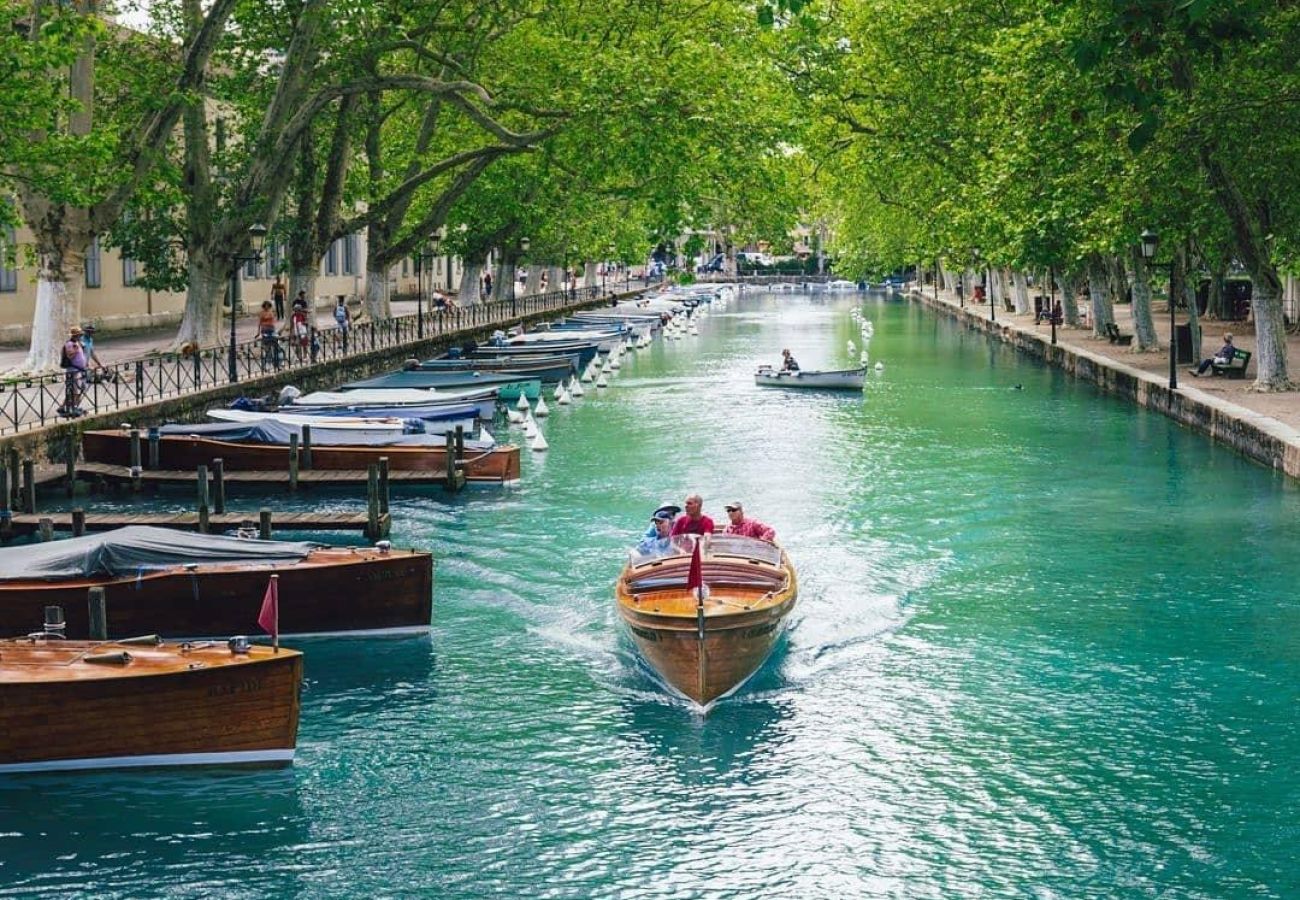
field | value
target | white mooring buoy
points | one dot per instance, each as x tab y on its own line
880	367
577	390
541	409
522	402
539	444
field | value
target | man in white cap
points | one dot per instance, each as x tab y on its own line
750	528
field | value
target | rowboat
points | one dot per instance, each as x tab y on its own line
371	426
582	351
508	386
423	404
841	380
68	705
706	650
264	446
188	585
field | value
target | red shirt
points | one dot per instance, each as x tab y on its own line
752	528
687	525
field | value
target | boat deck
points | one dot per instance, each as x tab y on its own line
189	521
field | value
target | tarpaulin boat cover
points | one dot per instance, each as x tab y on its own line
269	431
127	551
418	379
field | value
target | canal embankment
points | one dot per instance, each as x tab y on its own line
1229	412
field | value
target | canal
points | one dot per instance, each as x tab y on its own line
1047	644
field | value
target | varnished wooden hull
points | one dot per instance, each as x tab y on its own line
500	464
332	591
164	707
705	658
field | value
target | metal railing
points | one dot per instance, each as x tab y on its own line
32	403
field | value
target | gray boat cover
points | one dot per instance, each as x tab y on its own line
269	431
136	548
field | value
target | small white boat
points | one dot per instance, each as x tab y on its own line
369	425
842	380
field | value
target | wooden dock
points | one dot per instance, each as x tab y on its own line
29	523
306	477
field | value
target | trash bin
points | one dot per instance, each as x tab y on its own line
1184	333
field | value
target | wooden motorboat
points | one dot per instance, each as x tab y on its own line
706	651
190	585
102	705
547	369
508	385
193	447
841	380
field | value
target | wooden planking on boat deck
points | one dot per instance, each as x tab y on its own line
294	521
236	476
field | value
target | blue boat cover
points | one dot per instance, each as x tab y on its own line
139	548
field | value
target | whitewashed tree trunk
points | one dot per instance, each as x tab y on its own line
1101	309
1021	293
378	305
204	298
1143	324
58	308
555	279
305	281
1070	298
534	283
589	277
470	291
507	280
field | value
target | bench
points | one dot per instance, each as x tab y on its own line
1235	367
1116	336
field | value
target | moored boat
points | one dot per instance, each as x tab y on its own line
508	386
264	446
189	585
841	380
547	369
707	649
100	705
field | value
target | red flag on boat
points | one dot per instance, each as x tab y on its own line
695	579
269	618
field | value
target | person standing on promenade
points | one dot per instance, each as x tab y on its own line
693	521
277	297
343	320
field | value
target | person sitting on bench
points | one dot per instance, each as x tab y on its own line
1222	357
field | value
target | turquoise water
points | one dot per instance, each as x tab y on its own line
1047	645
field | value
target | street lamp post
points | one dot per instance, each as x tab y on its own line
1051	300
1150	243
256	238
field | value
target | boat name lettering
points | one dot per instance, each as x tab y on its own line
246	686
644	633
759	630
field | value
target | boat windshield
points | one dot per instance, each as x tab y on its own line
656	548
717	545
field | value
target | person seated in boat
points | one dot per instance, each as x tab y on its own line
693	521
658	541
788	363
750	528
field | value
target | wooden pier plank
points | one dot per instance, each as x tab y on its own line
303	521
330	477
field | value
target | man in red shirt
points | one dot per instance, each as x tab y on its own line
693	521
750	528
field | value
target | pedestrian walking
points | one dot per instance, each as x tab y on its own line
343	320
73	362
278	293
487	285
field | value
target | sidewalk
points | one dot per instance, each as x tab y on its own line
111	348
1284	407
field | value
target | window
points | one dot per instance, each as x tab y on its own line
406	267
350	255
94	277
274	258
129	271
250	269
8	272
332	259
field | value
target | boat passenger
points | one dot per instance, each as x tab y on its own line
750	528
788	363
659	542
693	521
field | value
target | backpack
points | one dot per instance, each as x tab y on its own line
341	315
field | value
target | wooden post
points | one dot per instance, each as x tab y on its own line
293	462
29	486
383	485
15	491
219	486
372	501
98	614
264	524
6	512
78	521
155	440
135	459
70	464
46	528
203	499
306	447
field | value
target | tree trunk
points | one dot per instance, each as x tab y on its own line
1021	293
589	275
470	291
378	305
1143	325
209	280
62	236
304	279
505	278
1070	298
1102	313
1180	284
1214	303
534	283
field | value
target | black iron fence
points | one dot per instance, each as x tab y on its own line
32	403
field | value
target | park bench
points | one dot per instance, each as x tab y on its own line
1116	336
1233	368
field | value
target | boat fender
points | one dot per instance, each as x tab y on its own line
142	640
384	546
119	658
239	645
